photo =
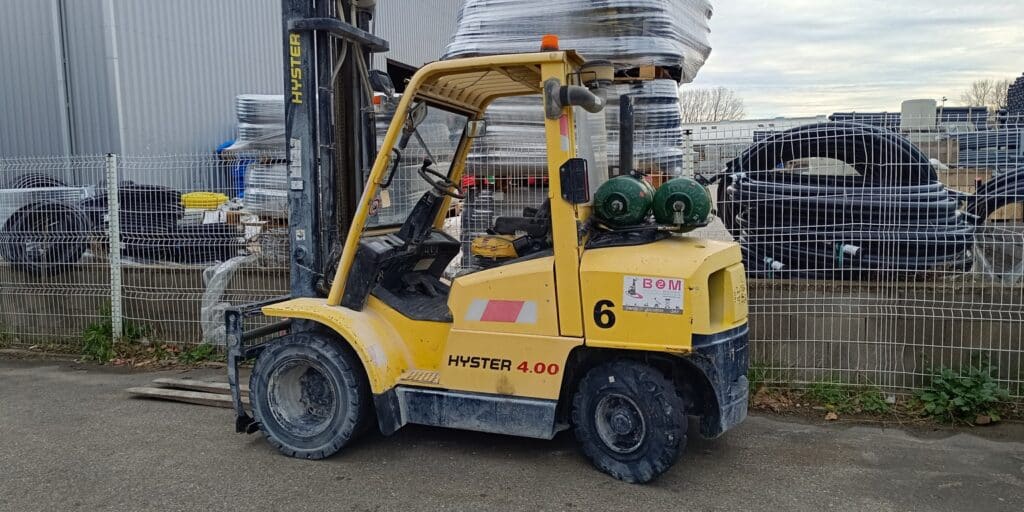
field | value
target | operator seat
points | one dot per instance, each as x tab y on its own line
404	268
513	238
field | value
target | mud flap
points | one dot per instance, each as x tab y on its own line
724	359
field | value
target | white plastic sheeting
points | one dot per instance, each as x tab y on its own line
667	33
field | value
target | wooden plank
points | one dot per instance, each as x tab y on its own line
1010	212
191	397
199	385
964	179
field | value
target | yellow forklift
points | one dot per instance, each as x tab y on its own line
614	328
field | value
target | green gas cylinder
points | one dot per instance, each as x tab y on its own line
682	202
623	200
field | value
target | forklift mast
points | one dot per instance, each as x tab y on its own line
329	128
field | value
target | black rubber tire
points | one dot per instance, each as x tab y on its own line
658	402
338	369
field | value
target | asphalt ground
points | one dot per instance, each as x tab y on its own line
72	439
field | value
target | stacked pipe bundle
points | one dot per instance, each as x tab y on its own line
997	192
976	116
515	145
266	190
515	139
260	122
657	128
1015	97
669	34
672	34
890	218
507	170
999	151
890	120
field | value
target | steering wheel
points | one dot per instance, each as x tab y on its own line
439	181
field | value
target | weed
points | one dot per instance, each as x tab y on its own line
842	398
871	401
757	375
963	396
762	374
6	339
98	337
198	354
835	397
98	341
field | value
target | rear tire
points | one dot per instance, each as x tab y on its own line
629	420
309	395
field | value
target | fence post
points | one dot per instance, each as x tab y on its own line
114	237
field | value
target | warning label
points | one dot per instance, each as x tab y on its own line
652	294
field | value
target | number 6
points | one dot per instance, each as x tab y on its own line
604	317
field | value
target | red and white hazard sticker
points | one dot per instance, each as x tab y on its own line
652	294
507	311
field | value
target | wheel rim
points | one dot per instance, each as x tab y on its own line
620	424
302	397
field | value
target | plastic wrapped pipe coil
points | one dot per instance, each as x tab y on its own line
260	108
260	123
892	218
45	237
515	141
266	190
667	33
1015	97
657	126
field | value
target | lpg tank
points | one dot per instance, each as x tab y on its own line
682	202
623	201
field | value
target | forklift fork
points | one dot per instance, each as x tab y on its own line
236	337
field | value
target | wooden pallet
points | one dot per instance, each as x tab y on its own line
966	180
645	72
198	392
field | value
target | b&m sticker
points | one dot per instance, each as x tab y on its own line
652	294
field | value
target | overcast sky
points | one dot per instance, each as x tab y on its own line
806	57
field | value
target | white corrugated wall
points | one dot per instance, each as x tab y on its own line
182	63
179	66
91	96
32	111
418	30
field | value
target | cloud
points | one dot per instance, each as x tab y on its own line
802	57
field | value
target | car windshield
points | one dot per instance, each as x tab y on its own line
436	137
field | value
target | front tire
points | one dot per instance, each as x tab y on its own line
309	395
629	420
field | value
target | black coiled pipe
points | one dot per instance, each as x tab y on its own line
892	219
995	193
45	237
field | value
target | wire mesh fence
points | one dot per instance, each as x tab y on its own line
54	279
181	218
877	249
